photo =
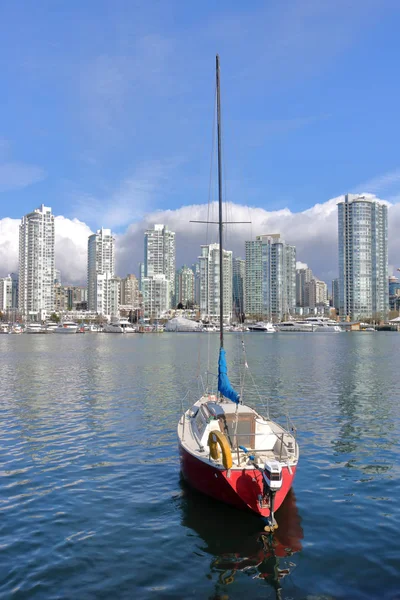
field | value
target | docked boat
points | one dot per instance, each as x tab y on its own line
66	327
119	326
324	324
51	327
262	327
4	328
228	450
35	328
210	328
295	326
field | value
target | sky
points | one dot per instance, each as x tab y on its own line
106	115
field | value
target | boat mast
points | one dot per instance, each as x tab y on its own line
221	258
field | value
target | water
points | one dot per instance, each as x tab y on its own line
91	502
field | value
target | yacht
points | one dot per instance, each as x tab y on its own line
324	324
51	327
4	328
262	326
35	328
119	326
210	328
181	324
295	326
66	327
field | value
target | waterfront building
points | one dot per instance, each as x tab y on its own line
5	293
156	297
102	287
315	293
159	257
394	293
196	270
141	275
130	292
303	276
270	278
238	283
184	287
36	264
363	258
210	282
57	276
335	294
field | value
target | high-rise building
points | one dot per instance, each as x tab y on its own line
184	287
103	287
130	292
159	257
335	294
196	270
315	293
210	282
5	293
155	296
270	283
57	276
238	283
363	257
36	264
303	276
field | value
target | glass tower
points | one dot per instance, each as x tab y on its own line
363	258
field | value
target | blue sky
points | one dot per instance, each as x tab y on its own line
107	107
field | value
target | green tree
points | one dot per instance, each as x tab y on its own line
54	317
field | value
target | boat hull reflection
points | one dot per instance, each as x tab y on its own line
236	540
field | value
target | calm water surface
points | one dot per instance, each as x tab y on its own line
92	505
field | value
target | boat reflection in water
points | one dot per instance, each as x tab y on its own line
239	545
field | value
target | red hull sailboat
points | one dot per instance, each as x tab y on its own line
228	450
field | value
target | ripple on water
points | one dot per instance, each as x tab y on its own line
90	494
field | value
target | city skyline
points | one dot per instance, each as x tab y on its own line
314	233
102	155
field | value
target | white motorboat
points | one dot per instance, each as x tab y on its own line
210	328
324	324
295	326
35	328
263	327
4	328
119	326
51	327
66	327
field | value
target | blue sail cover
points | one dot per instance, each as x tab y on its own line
224	385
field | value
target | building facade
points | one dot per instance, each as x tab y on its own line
363	258
36	264
185	287
103	287
159	257
238	286
130	292
270	288
210	283
335	294
5	293
315	293
156	298
303	276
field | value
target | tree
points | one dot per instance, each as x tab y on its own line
180	305
54	317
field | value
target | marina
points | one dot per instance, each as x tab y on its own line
91	495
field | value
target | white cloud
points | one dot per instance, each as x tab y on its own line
312	231
301	265
15	175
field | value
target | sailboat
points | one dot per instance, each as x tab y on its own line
227	449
